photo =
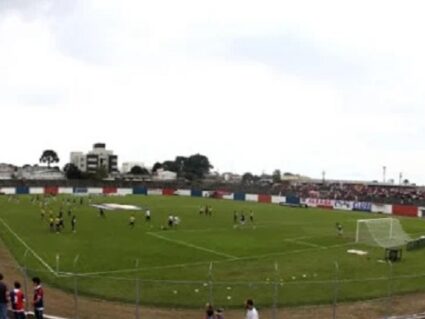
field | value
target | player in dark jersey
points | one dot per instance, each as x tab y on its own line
38	301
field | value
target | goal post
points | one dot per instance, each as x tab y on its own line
381	232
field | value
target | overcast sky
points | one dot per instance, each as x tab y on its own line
302	86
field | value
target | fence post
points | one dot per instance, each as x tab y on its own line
276	290
335	299
75	287
25	273
137	292
389	287
210	284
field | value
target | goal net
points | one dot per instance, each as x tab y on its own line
381	232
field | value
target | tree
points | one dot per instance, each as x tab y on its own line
277	176
196	166
156	167
137	170
247	178
49	156
170	166
406	182
72	171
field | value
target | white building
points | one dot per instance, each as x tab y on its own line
162	175
7	171
127	166
39	173
98	157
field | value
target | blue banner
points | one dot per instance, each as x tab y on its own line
362	206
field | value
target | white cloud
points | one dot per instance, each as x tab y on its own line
160	79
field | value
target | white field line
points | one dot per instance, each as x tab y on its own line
289	252
200	263
182	243
183	265
131	270
50	269
300	242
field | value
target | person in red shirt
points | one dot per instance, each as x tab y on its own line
17	301
38	301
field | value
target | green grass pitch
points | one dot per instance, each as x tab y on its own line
286	257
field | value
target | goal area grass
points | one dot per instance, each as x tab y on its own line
285	256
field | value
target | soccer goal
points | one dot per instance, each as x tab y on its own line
381	232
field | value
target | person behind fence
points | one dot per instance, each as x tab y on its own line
17	300
38	301
219	313
251	312
209	311
3	298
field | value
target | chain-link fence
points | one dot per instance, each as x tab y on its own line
77	295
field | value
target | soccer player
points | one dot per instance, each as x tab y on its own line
69	212
235	217
51	224
339	229
148	215
38	301
73	223
17	301
58	224
242	219
101	213
170	221
251	217
201	210
131	221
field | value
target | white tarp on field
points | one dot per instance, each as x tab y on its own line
113	206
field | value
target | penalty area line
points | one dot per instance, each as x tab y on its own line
182	243
50	269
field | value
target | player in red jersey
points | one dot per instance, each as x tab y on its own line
17	301
38	301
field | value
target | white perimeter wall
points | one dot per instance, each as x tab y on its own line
154	191
36	190
95	190
66	190
278	199
382	208
8	190
124	191
251	197
183	192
